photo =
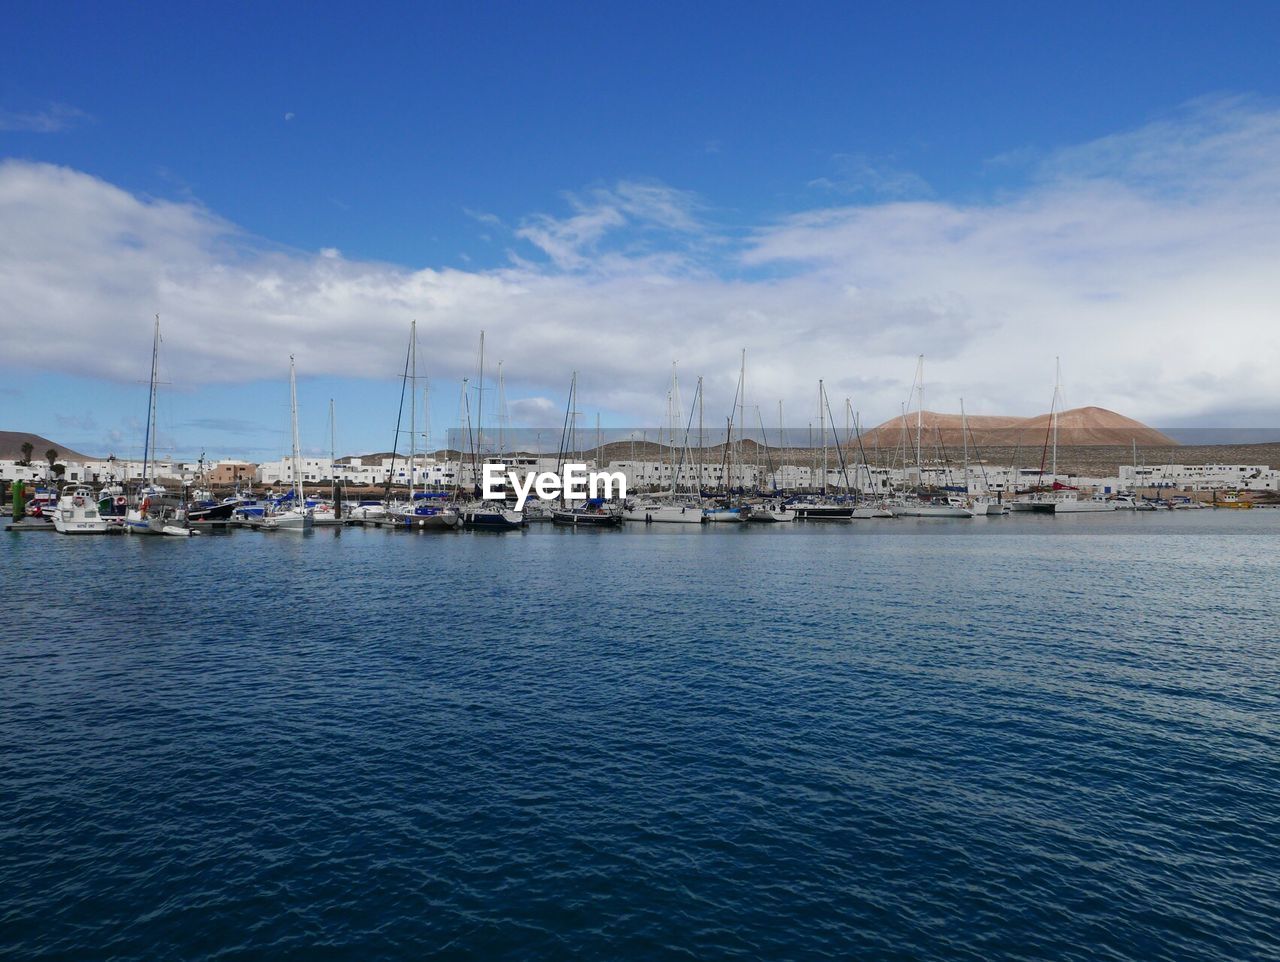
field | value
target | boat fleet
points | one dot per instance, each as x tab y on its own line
151	510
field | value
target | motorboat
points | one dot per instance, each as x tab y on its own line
77	512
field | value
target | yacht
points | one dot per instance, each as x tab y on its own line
815	509
1075	505
490	516
292	514
593	514
724	512
951	508
424	513
77	512
663	512
770	511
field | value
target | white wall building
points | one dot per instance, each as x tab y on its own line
1202	477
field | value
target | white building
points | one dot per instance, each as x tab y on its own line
1202	477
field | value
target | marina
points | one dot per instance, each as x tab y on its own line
830	735
639	482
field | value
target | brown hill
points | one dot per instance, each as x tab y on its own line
1081	427
11	447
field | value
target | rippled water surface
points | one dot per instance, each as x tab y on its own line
1000	739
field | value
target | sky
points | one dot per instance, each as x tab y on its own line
610	188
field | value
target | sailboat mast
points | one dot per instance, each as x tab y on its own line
672	401
742	417
1053	416
333	461
702	454
148	443
480	404
426	418
413	407
848	411
299	494
919	418
502	412
822	431
964	433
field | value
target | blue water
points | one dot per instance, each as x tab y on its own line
1001	739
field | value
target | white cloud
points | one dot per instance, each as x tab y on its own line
52	120
655	212
1146	260
534	410
860	175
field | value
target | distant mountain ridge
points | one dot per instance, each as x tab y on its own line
1082	427
11	447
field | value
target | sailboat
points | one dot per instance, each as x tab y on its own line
911	504
674	507
1065	498
297	516
725	508
820	506
593	513
770	510
481	514
156	513
982	505
419	512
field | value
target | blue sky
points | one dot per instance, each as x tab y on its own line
543	170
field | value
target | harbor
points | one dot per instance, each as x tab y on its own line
640	482
908	717
922	465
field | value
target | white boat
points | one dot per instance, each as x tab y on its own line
719	513
366	511
681	504
663	512
770	512
867	512
423	514
984	506
1082	505
952	508
77	512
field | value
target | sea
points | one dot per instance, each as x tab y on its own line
1013	738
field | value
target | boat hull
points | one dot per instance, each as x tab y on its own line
760	514
82	526
823	512
933	511
665	514
719	515
491	519
1082	507
586	519
215	513
436	521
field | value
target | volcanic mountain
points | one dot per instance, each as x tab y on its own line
11	447
1086	427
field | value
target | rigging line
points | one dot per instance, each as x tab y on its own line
839	448
404	383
